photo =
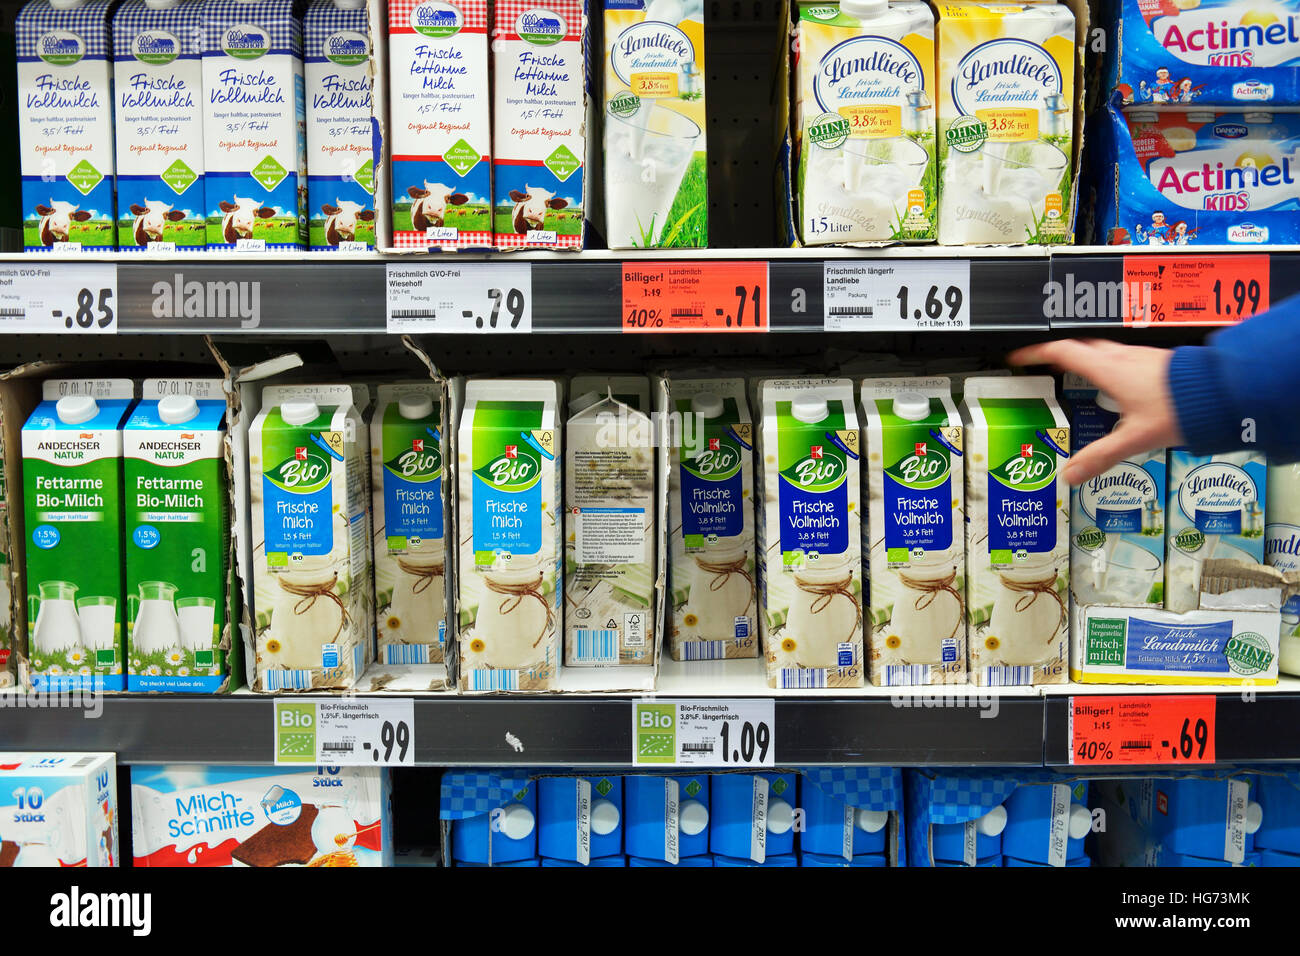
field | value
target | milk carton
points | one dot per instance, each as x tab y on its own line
711	521
511	550
1117	519
308	494
1006	114
1047	823
58	809
502	835
666	819
177	537
340	145
72	499
1282	550
254	125
1017	531
916	531
65	125
580	819
865	122
442	159
654	123
1209	817
158	111
809	535
1216	510
610	526
539	136
751	816
406	456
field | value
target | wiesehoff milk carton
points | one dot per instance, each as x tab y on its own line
510	565
65	122
809	534
58	810
177	537
72	500
254	125
158	91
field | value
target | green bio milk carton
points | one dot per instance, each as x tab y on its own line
311	537
177	537
72	503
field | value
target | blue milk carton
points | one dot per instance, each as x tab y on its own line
505	828
850	815
666	818
1212	818
752	816
1046	824
1279	796
956	817
58	809
1277	858
580	819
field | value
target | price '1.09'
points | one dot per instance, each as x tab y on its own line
754	740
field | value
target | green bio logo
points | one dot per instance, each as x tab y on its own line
1032	469
822	469
656	732
926	467
295	732
421	462
1248	653
719	460
304	472
516	469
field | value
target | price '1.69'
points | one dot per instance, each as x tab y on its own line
937	299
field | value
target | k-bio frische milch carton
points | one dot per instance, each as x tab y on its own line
254	125
177	537
311	531
58	810
1017	531
914	532
65	122
441	130
158	102
340	144
72	499
511	556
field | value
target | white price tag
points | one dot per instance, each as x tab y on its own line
345	732
460	297
907	295
58	297
704	733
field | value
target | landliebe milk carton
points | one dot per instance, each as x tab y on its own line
865	122
1282	550
72	499
158	112
177	537
65	124
1005	123
1017	531
809	534
254	125
340	144
58	810
539	135
309	498
511	547
441	134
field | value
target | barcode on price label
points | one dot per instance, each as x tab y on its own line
460	297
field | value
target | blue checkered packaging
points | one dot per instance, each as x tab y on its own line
851	812
493	814
944	809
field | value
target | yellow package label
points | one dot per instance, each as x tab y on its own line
873	122
1009	125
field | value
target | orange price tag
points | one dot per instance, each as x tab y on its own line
703	296
1188	289
1157	729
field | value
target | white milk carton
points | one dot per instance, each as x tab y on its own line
340	144
609	513
406	455
65	125
1282	550
1005	123
865	122
809	533
158	112
254	120
711	521
308	495
539	136
1017	531
510	565
1216	510
58	810
440	131
914	533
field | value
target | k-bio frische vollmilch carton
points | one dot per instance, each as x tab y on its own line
72	501
158	92
58	810
65	122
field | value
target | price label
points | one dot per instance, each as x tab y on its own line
345	732
460	297
909	295
1159	729
702	296
704	733
58	297
1194	290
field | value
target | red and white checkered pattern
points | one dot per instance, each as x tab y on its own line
508	12
417	240
511	240
473	13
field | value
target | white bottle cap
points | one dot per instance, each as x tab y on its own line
692	817
583	402
415	406
911	406
1080	821
809	408
1104	400
993	822
871	821
299	413
177	409
160	4
65	4
1254	816
604	817
76	409
708	404
780	817
516	821
862	9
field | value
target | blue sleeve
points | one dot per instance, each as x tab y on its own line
1246	372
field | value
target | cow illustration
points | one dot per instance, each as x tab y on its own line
150	220
240	217
531	206
56	219
429	205
342	218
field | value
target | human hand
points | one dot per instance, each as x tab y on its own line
1135	376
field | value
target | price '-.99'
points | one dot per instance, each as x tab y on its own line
747	743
